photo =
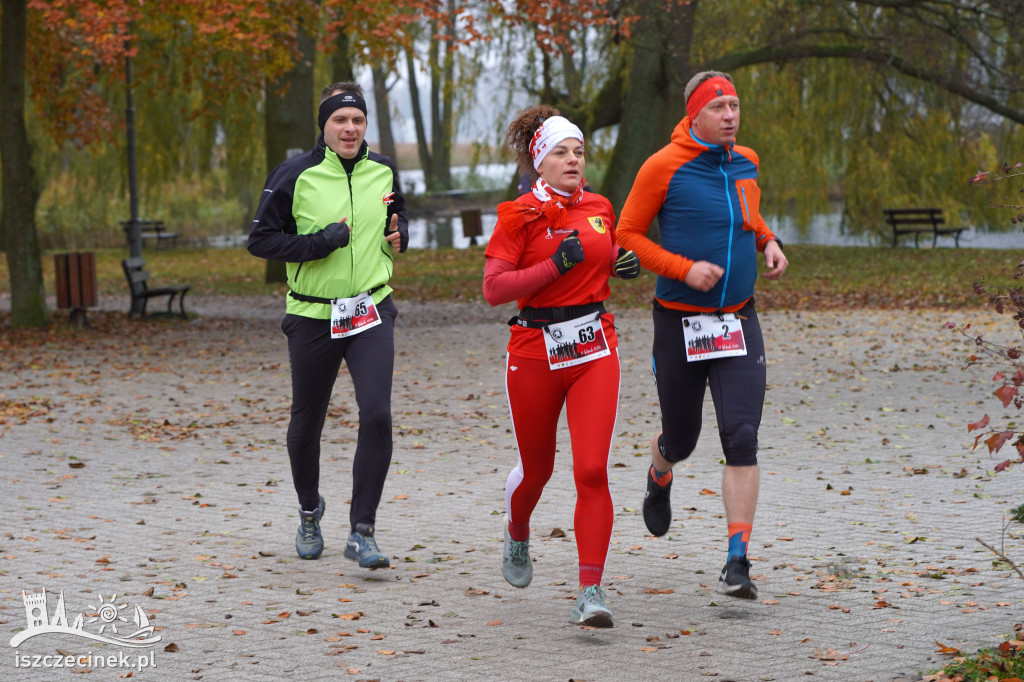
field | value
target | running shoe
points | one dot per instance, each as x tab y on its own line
657	499
363	548
309	541
516	565
590	608
735	579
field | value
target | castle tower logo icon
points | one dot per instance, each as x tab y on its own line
111	623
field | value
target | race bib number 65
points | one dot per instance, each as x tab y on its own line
353	315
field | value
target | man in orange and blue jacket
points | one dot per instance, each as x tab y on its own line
702	187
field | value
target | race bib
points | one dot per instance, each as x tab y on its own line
713	336
349	316
574	342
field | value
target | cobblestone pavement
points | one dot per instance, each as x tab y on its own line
152	471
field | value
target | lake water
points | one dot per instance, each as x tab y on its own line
446	231
434	232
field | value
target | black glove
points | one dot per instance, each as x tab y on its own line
627	265
336	235
569	253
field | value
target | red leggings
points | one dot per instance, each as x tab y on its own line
591	394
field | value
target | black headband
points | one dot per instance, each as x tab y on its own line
339	101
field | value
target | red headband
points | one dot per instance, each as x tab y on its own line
707	91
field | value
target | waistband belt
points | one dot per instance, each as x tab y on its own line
538	318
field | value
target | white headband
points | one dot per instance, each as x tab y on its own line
551	132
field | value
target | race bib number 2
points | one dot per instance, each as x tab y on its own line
713	336
350	316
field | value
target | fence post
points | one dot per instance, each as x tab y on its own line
76	284
472	224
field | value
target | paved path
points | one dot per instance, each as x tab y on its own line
155	469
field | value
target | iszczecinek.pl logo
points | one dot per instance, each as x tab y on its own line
111	623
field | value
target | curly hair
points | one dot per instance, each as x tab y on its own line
520	133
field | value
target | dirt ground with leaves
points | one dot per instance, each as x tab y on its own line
144	464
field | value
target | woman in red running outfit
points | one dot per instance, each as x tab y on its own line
553	250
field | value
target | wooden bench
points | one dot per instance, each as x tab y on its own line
918	221
138	285
150	229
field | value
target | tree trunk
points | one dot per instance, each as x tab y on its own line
442	94
20	188
654	101
417	117
290	127
383	107
342	60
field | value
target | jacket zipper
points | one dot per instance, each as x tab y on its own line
352	236
732	225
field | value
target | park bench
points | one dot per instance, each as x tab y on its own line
151	230
138	284
918	221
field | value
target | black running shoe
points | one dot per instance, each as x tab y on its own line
657	499
735	579
657	506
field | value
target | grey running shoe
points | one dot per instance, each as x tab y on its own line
735	579
590	608
362	547
309	541
657	499
516	565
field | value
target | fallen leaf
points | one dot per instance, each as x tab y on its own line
829	654
494	622
943	649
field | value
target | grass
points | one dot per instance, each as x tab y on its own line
1004	662
819	277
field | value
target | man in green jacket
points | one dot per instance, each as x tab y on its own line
335	216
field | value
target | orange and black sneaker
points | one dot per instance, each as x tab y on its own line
657	499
